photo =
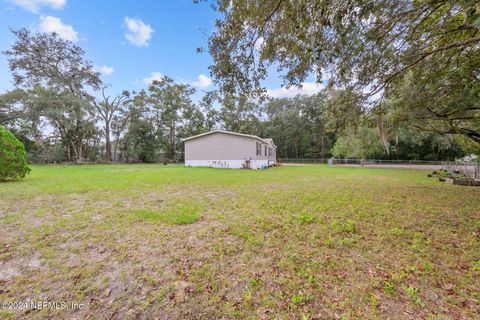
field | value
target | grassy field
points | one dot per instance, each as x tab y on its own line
305	242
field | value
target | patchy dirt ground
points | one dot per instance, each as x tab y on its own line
309	242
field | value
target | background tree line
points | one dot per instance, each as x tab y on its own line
62	111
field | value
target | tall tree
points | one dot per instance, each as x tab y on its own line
107	108
239	114
59	74
135	110
299	126
364	143
170	101
207	107
140	142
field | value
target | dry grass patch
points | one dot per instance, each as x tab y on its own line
176	215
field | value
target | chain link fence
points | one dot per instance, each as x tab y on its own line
301	160
469	169
360	162
371	162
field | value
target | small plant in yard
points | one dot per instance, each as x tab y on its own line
344	227
13	157
389	288
306	218
247	297
411	269
340	242
253	282
427	266
399	276
374	301
476	266
412	293
299	299
417	245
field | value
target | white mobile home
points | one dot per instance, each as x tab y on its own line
224	149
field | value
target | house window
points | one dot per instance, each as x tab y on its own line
270	152
265	151
259	149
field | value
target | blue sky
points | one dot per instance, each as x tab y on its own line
130	42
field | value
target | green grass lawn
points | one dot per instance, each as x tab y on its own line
305	242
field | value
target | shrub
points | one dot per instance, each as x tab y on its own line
13	157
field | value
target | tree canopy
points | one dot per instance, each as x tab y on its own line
57	78
370	46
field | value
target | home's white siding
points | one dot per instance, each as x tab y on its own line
231	164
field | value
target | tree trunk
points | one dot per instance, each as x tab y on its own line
79	138
383	135
115	150
173	154
69	153
322	143
108	143
78	156
73	151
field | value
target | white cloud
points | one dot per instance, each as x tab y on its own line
308	88
105	70
139	33
54	24
153	76
35	5
202	82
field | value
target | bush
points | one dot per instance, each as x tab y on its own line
13	157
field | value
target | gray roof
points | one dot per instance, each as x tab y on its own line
270	140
